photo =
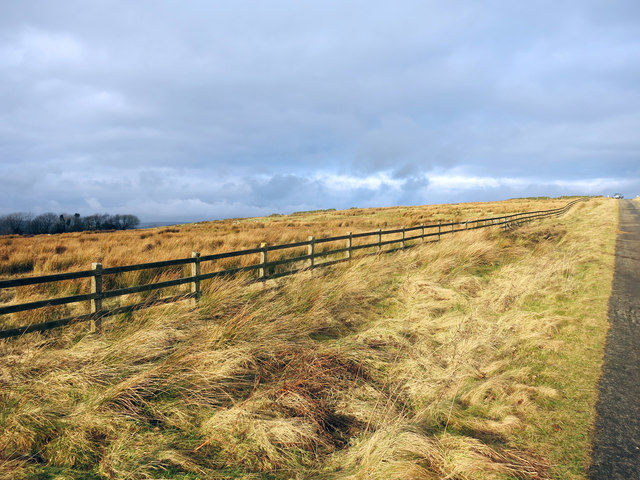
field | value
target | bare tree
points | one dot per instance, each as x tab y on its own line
16	223
25	223
44	223
129	221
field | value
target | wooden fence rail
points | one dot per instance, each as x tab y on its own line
265	268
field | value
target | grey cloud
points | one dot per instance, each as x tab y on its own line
248	107
400	145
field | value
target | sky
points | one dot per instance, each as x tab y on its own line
200	110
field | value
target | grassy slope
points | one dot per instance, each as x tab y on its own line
472	358
43	254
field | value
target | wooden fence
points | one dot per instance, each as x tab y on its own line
265	269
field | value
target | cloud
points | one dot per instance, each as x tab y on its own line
35	49
239	109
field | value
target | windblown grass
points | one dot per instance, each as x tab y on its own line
46	254
470	358
43	254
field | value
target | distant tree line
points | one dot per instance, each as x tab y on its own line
26	223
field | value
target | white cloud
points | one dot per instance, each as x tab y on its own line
36	48
350	182
461	182
591	186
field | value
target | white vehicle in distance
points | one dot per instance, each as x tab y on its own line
618	195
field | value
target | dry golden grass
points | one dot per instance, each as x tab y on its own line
475	357
46	254
43	254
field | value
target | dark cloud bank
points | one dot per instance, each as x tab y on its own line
175	111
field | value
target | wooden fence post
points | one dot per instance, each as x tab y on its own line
311	250
439	230
466	225
403	236
349	244
195	272
379	240
262	271
96	303
422	236
451	227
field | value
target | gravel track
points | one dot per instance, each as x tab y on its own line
616	447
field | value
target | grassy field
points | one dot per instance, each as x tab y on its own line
473	358
43	254
46	254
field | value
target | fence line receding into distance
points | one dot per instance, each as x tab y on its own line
265	269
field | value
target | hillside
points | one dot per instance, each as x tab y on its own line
42	254
473	357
